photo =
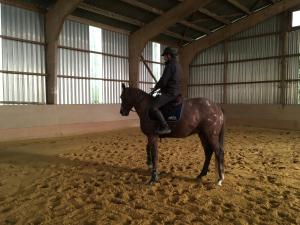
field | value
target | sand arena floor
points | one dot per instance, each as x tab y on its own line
100	179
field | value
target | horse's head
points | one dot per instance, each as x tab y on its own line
127	104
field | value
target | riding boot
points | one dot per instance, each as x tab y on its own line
164	127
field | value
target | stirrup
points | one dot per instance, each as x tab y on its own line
165	130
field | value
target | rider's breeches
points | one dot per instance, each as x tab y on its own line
161	100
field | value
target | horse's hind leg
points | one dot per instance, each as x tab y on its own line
208	153
216	147
219	151
219	160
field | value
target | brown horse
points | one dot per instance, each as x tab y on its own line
199	116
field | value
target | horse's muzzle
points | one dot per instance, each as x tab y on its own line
123	113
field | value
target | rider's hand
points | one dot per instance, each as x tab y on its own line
152	90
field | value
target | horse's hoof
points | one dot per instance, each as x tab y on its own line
219	183
154	177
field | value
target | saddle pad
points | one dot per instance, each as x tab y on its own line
171	112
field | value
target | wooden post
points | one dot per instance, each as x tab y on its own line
54	20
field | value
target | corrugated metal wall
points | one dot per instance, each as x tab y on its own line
22	76
253	68
92	65
92	62
207	75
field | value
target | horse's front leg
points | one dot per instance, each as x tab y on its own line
149	147
152	141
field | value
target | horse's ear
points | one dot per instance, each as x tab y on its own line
123	86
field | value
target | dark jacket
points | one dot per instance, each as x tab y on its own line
169	81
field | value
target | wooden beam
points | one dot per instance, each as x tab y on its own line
254	4
54	20
239	6
125	19
188	52
161	12
109	14
139	39
214	16
23	5
97	24
143	6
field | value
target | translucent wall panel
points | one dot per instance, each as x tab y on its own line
206	74
212	55
73	63
115	43
259	70
294	42
257	93
22	89
73	91
22	79
269	26
212	92
254	48
115	68
21	23
293	66
74	35
93	70
293	92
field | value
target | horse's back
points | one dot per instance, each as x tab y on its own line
203	103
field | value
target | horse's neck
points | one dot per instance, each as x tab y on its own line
142	101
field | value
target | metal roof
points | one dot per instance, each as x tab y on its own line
130	15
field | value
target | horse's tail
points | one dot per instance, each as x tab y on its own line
221	135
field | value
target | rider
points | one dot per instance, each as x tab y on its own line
169	88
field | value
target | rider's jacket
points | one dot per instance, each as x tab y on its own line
169	81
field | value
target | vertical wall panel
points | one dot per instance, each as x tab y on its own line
269	26
21	23
22	63
247	67
97	72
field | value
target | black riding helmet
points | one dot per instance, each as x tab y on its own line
170	51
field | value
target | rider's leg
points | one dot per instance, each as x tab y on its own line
159	102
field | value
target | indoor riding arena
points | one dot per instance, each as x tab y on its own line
78	145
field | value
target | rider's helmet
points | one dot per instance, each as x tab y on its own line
170	51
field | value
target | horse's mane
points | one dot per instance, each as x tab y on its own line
137	91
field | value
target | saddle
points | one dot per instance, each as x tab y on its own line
172	110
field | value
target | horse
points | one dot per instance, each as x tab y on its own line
198	116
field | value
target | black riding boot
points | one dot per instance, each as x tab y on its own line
164	127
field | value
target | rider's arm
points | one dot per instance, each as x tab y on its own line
169	70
